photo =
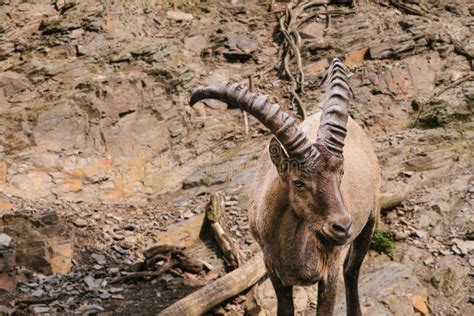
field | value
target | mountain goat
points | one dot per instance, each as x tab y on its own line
311	200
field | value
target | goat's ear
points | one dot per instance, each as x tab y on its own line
278	156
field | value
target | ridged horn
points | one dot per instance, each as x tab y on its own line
332	129
293	139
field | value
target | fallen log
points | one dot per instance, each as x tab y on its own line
222	289
405	8
32	300
215	213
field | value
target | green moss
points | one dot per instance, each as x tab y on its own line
206	178
383	242
435	282
445	280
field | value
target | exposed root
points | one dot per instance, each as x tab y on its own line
163	257
144	274
266	70
291	44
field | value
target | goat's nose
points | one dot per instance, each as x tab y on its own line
340	228
340	231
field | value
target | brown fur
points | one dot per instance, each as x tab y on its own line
311	200
286	223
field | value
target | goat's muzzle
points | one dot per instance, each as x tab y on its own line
337	233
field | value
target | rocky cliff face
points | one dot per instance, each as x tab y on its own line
93	113
94	100
94	94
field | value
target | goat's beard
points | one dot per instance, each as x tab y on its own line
305	259
324	254
315	257
294	251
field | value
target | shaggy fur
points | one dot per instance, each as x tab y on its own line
311	200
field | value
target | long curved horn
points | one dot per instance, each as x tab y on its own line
332	129
269	114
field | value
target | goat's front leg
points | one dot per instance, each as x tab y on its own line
327	293
284	296
359	248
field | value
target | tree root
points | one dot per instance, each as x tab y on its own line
171	256
145	274
291	44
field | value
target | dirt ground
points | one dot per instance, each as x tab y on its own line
101	158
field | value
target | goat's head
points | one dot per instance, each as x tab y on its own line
310	172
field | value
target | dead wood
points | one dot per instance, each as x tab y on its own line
143	274
161	250
190	265
222	289
405	8
215	213
165	257
164	252
246	119
31	300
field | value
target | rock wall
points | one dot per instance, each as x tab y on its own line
94	101
93	95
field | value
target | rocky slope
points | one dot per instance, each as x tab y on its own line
99	152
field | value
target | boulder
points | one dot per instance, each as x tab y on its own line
179	15
7	270
391	288
195	43
236	47
7	264
304	298
356	57
5	241
5	206
41	243
313	30
450	278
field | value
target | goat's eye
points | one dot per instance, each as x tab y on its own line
298	183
